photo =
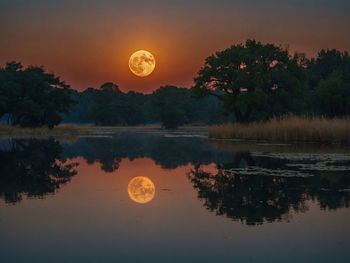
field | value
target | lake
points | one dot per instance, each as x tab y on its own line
157	197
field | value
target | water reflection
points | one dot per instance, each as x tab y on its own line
32	168
257	198
248	184
169	153
141	189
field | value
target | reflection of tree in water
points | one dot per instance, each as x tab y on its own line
331	190
255	199
34	168
251	187
169	153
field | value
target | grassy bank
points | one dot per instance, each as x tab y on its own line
90	130
287	129
64	130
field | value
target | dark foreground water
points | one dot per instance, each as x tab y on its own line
150	198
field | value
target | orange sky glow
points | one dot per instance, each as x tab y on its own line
88	43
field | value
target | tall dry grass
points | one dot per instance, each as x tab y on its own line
287	129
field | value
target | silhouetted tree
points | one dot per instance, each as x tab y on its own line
326	62
113	107
250	78
81	111
171	104
32	97
329	77
333	95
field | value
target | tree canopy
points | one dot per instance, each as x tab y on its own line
32	97
172	105
252	77
329	81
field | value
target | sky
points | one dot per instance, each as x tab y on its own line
88	42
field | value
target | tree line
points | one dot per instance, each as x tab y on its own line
245	82
172	106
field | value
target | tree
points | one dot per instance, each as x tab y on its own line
171	103
252	78
333	95
328	61
106	105
32	97
329	79
113	107
80	112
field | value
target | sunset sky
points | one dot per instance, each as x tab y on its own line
90	42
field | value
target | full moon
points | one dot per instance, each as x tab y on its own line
142	63
141	189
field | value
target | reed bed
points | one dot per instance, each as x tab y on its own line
287	129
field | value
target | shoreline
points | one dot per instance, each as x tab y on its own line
66	130
257	133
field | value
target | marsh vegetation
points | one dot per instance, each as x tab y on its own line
287	129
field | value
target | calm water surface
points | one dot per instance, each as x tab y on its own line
138	197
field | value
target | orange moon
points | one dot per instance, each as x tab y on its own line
142	63
141	189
